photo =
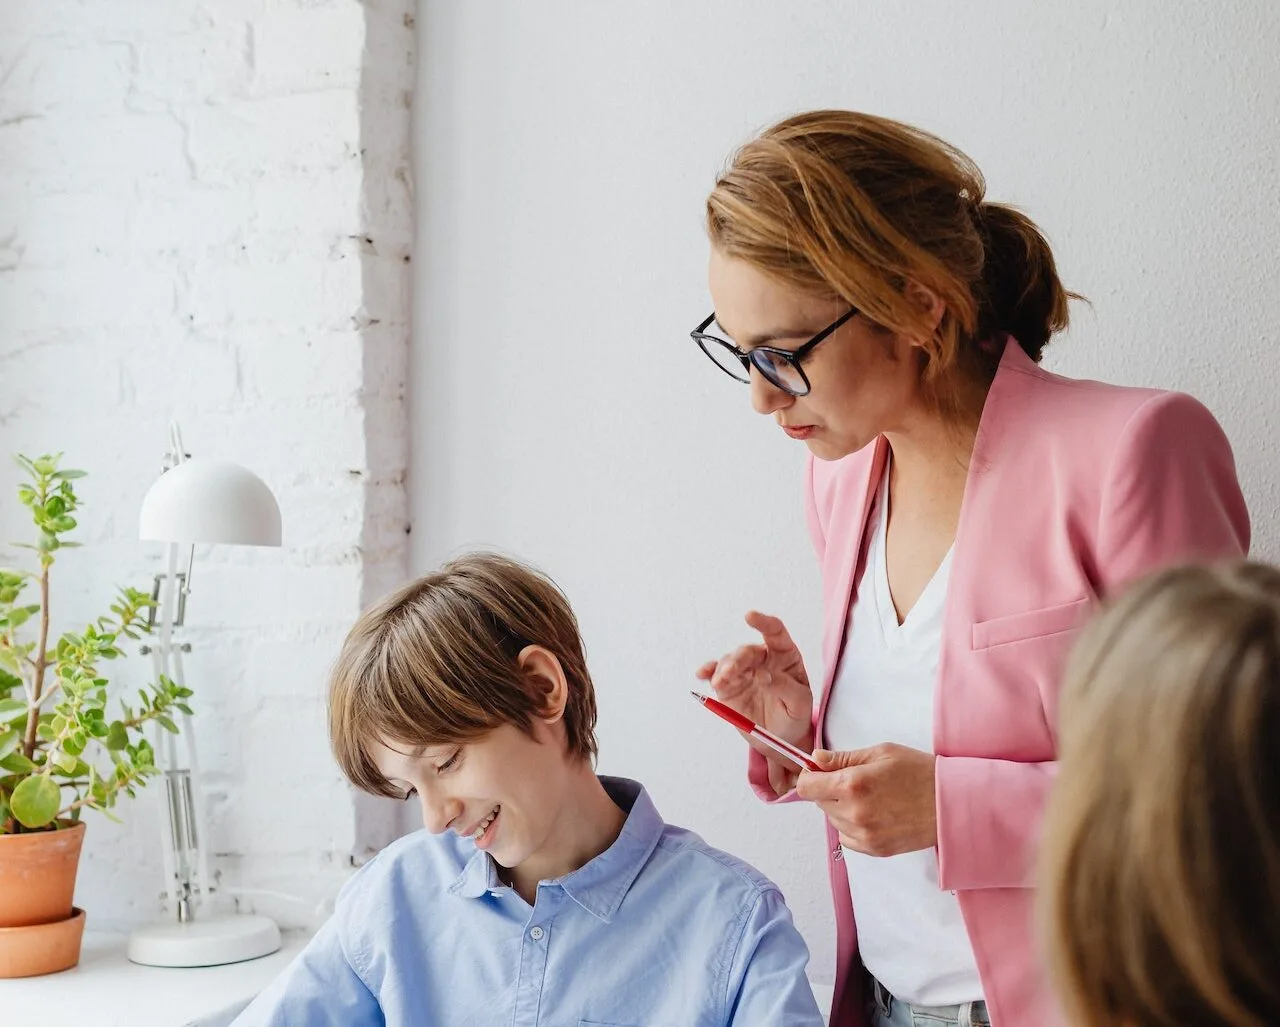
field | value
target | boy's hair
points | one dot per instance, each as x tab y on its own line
1160	867
436	663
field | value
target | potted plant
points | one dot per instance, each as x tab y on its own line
61	752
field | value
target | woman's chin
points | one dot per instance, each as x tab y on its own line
825	447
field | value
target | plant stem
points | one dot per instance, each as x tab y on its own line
53	690
33	714
92	803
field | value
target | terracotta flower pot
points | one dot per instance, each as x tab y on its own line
42	948
39	931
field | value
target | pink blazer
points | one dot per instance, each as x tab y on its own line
1075	487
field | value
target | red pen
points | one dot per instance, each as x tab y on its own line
783	748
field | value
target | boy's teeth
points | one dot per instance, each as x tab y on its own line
484	824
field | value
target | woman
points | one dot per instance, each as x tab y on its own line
967	508
1161	861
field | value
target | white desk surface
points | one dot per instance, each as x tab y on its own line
106	990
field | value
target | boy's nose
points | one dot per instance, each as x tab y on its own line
438	812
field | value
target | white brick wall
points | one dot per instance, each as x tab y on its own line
206	212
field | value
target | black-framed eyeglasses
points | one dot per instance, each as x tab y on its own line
780	367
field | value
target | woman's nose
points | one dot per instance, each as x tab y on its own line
765	396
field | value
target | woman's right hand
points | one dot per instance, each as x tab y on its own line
767	683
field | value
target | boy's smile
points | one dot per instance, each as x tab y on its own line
483	832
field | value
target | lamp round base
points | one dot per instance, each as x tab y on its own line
211	942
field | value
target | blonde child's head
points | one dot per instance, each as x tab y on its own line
1160	895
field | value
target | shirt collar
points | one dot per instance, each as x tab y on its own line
600	885
479	875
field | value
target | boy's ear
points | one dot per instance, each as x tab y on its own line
542	667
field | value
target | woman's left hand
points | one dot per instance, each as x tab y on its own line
880	800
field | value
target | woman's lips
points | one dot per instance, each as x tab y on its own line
802	431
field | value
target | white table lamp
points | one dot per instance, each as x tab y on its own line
210	501
195	501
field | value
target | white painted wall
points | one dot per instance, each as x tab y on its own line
205	211
559	410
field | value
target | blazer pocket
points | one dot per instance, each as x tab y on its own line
1017	627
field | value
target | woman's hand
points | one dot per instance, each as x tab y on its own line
767	683
880	800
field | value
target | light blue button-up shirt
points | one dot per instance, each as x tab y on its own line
659	930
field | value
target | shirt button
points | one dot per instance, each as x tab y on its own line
537	933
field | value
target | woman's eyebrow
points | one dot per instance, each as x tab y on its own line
764	338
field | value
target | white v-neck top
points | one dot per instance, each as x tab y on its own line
910	932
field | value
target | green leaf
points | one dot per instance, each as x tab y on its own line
69	545
65	762
16	763
167	724
117	736
10	708
56	506
45	466
64	523
9	741
74	745
35	801
68	475
9	661
19	616
46	543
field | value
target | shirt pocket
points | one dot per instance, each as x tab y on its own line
1031	624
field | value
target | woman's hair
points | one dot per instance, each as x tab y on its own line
837	202
1160	887
437	662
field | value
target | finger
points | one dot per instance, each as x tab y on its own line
705	672
736	668
761	677
781	778
772	630
829	760
815	787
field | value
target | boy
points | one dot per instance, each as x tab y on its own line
542	893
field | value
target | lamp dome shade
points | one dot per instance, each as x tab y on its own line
210	501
